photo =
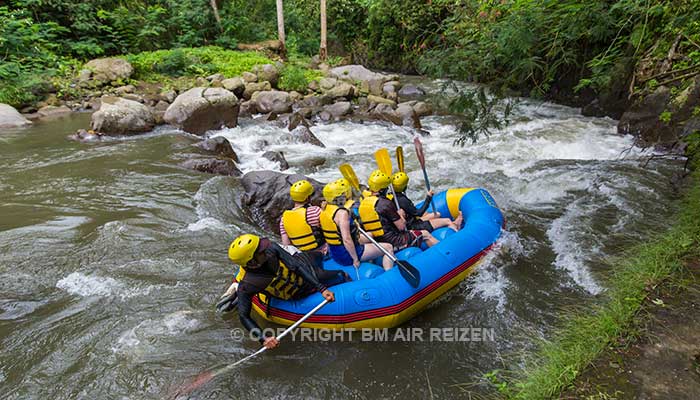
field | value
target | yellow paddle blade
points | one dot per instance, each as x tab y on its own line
349	174
399	159
383	160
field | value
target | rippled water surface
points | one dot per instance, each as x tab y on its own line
111	257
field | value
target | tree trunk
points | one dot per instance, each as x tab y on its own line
323	51
280	29
215	8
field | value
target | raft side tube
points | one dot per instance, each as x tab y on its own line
384	299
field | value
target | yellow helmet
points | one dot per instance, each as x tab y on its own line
400	181
301	190
243	248
378	180
343	183
332	190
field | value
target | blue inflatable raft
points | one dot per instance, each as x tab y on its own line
384	299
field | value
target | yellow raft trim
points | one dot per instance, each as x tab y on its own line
453	197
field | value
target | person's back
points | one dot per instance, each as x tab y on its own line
393	224
301	225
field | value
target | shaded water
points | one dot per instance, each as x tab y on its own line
111	257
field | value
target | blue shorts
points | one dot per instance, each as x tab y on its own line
342	257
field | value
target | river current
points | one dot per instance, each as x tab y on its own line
112	257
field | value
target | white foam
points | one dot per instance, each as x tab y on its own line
206	223
489	282
570	254
83	285
144	333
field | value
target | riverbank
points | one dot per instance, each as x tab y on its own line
662	360
585	336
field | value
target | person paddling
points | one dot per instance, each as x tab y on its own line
340	231
384	221
266	268
301	226
418	219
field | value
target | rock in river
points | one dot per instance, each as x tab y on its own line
118	116
201	109
266	196
11	118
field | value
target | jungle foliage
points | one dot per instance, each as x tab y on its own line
534	46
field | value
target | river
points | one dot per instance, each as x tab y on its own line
112	256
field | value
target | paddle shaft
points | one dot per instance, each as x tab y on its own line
374	242
421	160
283	334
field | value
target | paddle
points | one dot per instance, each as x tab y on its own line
207	376
384	163
408	271
349	174
399	159
421	160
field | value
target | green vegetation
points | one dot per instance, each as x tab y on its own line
584	336
537	47
665	117
201	61
297	78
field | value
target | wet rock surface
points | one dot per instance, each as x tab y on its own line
219	146
201	109
118	116
216	166
266	196
11	118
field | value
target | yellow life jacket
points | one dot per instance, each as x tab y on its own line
369	216
301	234
349	204
331	231
285	285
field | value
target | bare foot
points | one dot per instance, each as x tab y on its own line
459	220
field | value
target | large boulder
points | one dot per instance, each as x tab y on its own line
422	108
118	116
386	112
278	157
219	146
11	118
642	119
266	196
339	109
342	89
302	134
411	92
235	85
107	70
267	72
358	73
252	87
216	166
272	101
201	109
50	112
297	119
408	116
380	100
